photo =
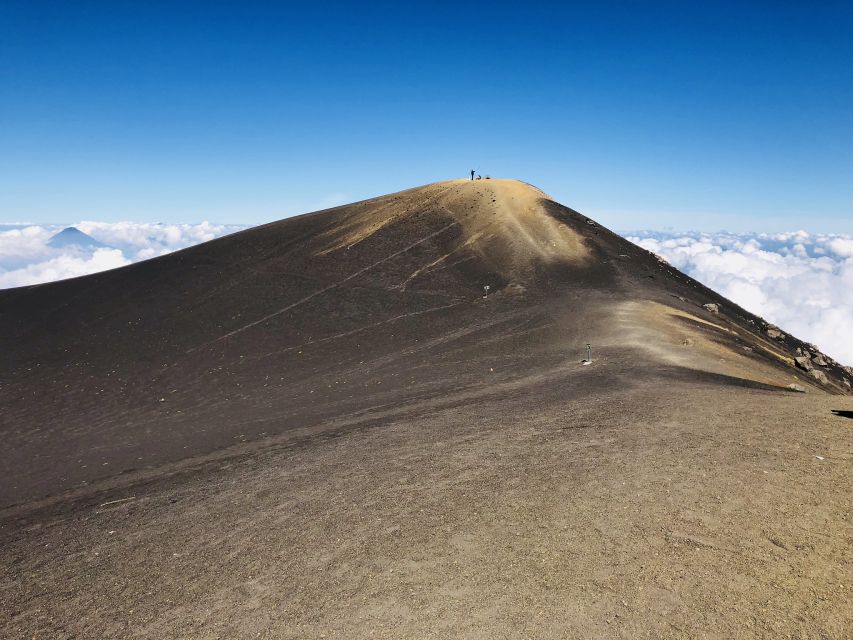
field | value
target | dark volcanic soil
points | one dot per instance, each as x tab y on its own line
320	427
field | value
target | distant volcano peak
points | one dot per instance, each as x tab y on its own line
73	237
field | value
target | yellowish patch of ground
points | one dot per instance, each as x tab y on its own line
501	219
656	328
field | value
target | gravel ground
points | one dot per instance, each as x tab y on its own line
322	428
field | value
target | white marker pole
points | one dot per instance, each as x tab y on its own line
588	352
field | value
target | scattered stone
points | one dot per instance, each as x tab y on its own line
820	376
774	332
803	363
797	388
713	307
846	382
819	360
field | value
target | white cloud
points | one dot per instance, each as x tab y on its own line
22	246
141	241
802	282
66	265
26	258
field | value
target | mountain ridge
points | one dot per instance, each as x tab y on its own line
289	294
327	426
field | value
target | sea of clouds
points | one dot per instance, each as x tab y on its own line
800	281
26	258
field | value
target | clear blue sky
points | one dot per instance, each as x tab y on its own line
642	115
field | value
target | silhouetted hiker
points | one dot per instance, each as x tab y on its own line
472	174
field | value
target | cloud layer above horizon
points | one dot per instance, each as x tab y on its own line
26	258
800	281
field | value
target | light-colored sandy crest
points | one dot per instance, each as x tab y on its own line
503	221
676	337
507	225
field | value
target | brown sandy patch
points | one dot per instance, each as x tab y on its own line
682	338
502	220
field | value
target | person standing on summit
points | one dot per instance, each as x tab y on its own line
472	174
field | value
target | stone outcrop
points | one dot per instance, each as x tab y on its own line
803	362
774	332
820	376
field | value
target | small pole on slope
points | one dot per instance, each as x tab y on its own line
486	290
588	352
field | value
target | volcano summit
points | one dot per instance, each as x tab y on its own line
375	420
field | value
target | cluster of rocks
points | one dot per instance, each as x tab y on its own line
807	364
810	357
813	354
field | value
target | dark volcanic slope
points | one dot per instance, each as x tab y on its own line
347	315
320	428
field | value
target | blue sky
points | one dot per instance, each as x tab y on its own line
642	115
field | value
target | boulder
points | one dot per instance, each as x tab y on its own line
803	363
820	376
773	332
819	360
713	307
797	388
